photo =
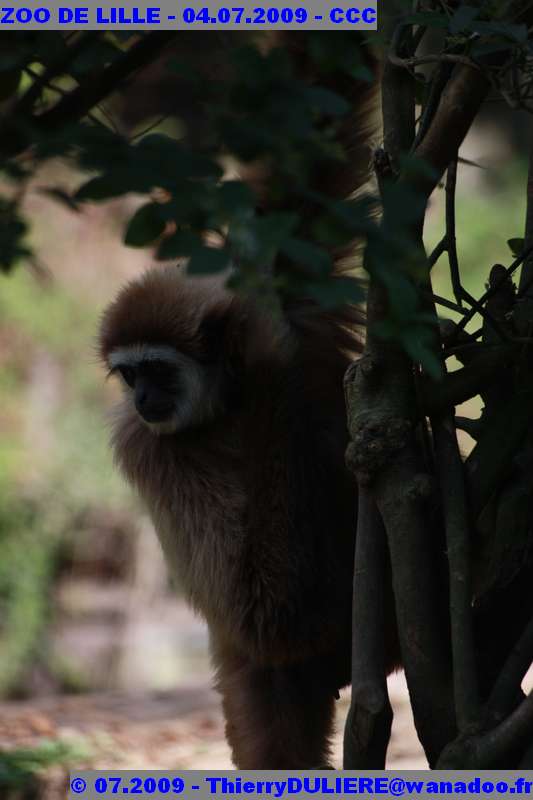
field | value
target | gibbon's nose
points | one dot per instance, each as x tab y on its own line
152	407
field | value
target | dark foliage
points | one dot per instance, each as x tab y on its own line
241	102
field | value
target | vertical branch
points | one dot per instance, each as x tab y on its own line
386	457
439	80
397	91
452	484
369	720
453	492
461	100
383	418
524	311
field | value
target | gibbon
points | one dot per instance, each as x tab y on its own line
232	429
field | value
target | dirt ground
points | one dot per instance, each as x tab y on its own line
165	730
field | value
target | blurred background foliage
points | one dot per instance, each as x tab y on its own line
85	603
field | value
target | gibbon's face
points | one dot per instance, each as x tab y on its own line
165	337
169	390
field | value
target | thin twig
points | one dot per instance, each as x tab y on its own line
451	246
109	117
50	86
410	62
149	128
451	241
438	82
443	58
472	427
437	252
14	138
462	384
62	93
57	67
496	287
477	307
468	163
443	301
418	36
524	313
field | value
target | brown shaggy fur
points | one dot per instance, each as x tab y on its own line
255	509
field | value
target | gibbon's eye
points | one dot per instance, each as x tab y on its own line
128	373
158	368
160	372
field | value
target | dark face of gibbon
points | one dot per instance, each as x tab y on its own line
169	390
164	337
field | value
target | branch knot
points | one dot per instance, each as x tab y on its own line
374	443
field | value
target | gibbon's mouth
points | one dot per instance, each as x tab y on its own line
163	427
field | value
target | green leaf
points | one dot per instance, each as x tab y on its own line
402	203
308	255
145	226
235	197
417	343
516	33
362	73
414	166
208	260
13	57
257	240
273	229
416	338
168	158
488	48
516	246
463	18
116	183
336	292
327	102
61	196
93	58
182	243
50	47
429	18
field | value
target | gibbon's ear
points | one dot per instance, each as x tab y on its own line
223	336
